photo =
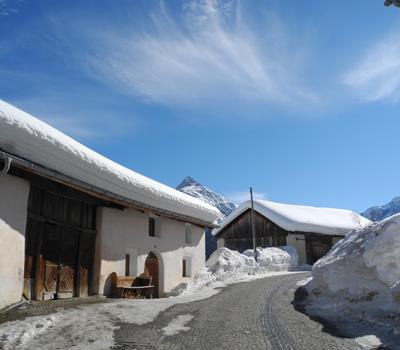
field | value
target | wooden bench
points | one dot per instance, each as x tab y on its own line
132	287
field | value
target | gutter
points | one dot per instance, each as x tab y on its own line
94	190
7	164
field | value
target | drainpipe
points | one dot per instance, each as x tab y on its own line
6	167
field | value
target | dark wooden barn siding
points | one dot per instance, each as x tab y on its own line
60	238
60	241
238	234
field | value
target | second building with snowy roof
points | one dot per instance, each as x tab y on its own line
312	230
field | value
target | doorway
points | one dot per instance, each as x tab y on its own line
317	247
151	268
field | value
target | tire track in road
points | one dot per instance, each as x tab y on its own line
288	329
276	335
255	315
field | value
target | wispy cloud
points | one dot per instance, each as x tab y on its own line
208	55
240	197
377	75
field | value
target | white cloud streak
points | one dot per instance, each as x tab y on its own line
376	76
209	57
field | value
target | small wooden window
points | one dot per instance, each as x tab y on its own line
127	264
152	227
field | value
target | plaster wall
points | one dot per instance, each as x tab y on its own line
122	232
14	194
299	242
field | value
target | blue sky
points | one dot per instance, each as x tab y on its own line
298	99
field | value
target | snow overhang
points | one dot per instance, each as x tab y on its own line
54	154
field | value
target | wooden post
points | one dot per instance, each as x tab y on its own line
253	225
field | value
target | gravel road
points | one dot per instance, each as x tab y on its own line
251	315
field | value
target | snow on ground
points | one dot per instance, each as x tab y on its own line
177	325
92	326
360	277
88	327
227	266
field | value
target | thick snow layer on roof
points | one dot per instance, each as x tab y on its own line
29	138
303	218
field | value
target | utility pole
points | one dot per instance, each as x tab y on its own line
252	224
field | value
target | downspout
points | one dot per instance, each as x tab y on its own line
6	167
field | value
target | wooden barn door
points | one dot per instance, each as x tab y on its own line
58	261
317	247
151	269
60	244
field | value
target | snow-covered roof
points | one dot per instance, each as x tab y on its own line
25	136
302	218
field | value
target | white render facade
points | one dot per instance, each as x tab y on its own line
127	232
13	208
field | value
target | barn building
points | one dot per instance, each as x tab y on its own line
71	218
311	230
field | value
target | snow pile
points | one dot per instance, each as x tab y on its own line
225	260
23	135
228	266
276	258
361	274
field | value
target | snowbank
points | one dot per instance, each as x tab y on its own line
276	258
301	218
227	266
361	274
23	135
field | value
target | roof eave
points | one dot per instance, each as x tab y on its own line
97	191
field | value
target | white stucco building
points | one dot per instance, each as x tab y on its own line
70	217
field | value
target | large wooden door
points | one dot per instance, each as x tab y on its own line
317	247
60	244
59	260
151	269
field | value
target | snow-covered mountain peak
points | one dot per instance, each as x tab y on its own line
195	189
379	213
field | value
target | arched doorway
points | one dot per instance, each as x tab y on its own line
151	268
